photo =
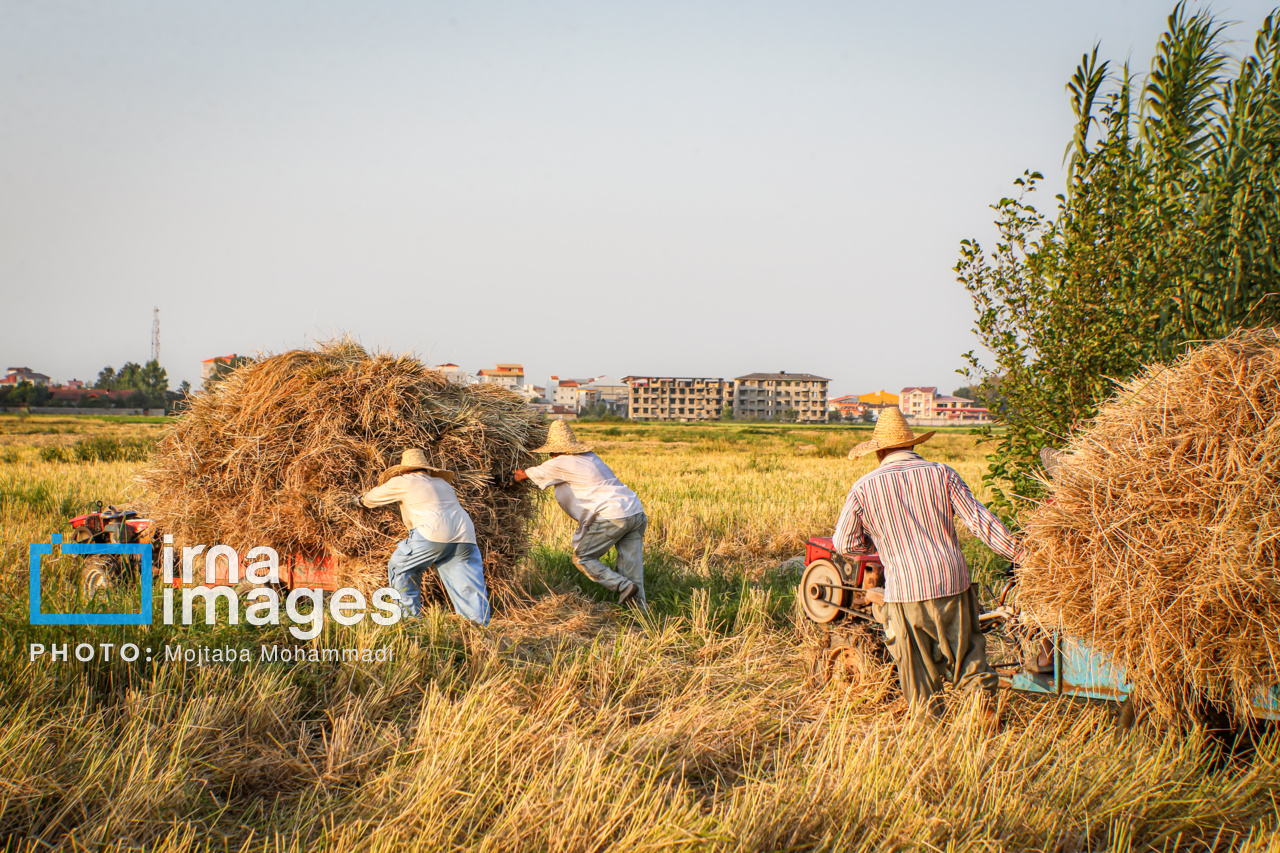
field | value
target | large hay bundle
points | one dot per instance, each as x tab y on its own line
1161	541
266	457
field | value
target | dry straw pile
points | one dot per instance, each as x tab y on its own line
267	457
1160	544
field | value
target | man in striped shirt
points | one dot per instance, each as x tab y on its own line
905	510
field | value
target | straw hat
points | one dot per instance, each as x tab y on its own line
560	439
415	460
891	433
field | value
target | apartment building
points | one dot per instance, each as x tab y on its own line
801	397
678	398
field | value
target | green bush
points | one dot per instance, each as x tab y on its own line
9	455
104	448
54	453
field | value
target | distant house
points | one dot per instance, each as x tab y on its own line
16	375
562	413
959	409
612	393
564	392
507	375
69	395
846	408
917	401
773	396
456	375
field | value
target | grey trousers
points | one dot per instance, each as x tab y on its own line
625	534
939	640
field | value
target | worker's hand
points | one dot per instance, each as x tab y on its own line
519	476
875	596
355	502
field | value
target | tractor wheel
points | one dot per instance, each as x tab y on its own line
96	575
853	657
822	592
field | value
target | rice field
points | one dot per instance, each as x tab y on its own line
568	725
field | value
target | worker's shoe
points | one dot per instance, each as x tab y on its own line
628	592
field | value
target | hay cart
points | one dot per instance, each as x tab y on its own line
833	595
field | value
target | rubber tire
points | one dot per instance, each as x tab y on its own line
96	576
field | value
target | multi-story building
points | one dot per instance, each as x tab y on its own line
677	398
565	392
801	397
918	401
507	375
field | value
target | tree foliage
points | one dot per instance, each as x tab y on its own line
1167	235
150	381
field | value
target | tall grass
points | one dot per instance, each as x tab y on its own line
567	725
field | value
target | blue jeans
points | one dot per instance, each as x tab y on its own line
460	568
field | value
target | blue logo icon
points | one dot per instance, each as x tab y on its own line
37	549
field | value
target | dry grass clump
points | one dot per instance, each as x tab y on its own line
1161	542
268	455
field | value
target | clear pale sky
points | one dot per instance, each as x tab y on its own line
702	189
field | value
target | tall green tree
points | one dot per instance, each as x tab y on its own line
1167	234
151	381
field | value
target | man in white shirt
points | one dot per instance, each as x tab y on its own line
440	534
609	515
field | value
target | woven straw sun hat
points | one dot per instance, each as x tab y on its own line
415	460
891	433
560	439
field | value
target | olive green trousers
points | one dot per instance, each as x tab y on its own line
936	641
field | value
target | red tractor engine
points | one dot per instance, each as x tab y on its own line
115	527
834	586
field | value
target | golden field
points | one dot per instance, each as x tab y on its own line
569	725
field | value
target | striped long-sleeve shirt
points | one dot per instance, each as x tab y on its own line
907	506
